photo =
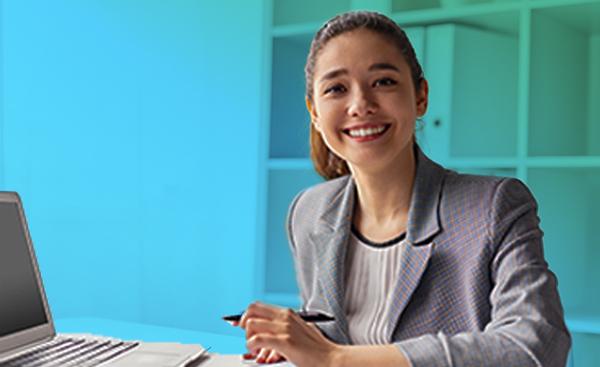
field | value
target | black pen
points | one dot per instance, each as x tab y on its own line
308	316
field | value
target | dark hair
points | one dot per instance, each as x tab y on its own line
327	163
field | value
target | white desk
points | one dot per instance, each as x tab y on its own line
229	348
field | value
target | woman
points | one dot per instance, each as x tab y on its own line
419	265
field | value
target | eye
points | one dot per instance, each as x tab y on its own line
385	82
335	89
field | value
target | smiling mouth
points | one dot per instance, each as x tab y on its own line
367	132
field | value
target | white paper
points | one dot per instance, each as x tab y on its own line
235	360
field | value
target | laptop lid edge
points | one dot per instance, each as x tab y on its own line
12	342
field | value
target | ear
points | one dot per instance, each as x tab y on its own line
313	114
423	98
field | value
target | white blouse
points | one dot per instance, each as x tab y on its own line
371	272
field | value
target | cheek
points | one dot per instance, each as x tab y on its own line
332	138
331	116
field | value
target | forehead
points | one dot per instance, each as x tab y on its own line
357	49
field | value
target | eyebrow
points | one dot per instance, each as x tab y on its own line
377	66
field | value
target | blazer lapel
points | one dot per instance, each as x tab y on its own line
414	260
331	241
423	225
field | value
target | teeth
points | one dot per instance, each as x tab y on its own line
366	132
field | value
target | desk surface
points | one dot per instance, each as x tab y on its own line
218	343
228	347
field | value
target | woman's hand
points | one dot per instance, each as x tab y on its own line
273	332
264	355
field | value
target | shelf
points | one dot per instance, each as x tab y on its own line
483	162
565	82
585	322
498	17
568	203
464	163
544	4
514	91
290	120
584	351
283	186
585	332
292	30
487	171
564	162
295	12
472	109
507	21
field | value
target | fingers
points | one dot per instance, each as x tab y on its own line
256	326
249	356
262	355
265	356
261	311
274	357
258	310
267	341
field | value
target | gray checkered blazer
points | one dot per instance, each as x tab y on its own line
473	289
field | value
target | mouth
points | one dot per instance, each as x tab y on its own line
366	132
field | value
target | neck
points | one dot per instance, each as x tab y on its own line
384	195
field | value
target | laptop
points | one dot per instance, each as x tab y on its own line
27	334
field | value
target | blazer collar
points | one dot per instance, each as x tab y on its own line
423	214
332	236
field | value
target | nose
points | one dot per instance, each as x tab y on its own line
362	102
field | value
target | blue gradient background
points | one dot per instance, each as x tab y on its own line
137	134
130	129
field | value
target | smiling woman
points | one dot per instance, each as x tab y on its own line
419	265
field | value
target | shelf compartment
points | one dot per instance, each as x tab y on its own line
452	6
283	185
487	171
496	17
568	201
473	80
585	350
456	103
294	12
565	162
506	162
565	81
290	120
398	6
584	323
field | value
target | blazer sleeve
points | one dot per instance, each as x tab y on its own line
292	243
527	324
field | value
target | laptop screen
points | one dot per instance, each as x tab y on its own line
21	304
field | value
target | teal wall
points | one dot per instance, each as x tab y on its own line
130	129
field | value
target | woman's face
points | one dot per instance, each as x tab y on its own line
364	100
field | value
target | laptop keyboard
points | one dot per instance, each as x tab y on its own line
71	351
